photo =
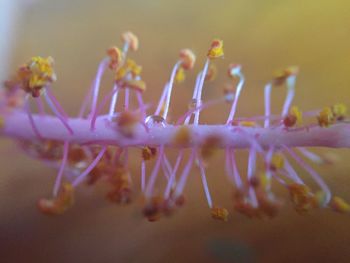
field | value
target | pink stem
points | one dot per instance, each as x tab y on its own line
18	125
161	100
173	175
267	92
127	98
85	103
96	86
52	106
61	170
100	107
113	101
237	177
32	124
40	105
205	183
250	174
56	103
235	100
141	105
153	177
184	175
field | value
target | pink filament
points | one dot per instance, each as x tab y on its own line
61	170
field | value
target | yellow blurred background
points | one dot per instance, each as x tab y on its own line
260	35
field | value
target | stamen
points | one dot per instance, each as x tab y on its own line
312	172
183	178
55	102
100	107
310	155
250	174
31	120
52	106
130	40
154	174
199	90
204	182
291	73
171	181
267	95
61	170
96	85
113	101
235	71
169	89
292	174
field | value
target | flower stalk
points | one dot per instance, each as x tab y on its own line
94	146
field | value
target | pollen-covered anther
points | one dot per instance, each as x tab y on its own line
212	73
77	156
133	67
116	57
325	117
121	192
294	117
301	197
45	150
187	58
153	208
182	136
268	204
277	162
280	77
36	74
339	205
219	213
130	67
148	153
216	50
60	204
131	39
243	206
339	111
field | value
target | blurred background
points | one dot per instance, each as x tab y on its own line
260	35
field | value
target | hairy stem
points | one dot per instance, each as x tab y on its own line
17	125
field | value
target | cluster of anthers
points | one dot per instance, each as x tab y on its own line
94	146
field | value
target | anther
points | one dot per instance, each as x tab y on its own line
219	213
131	39
216	50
